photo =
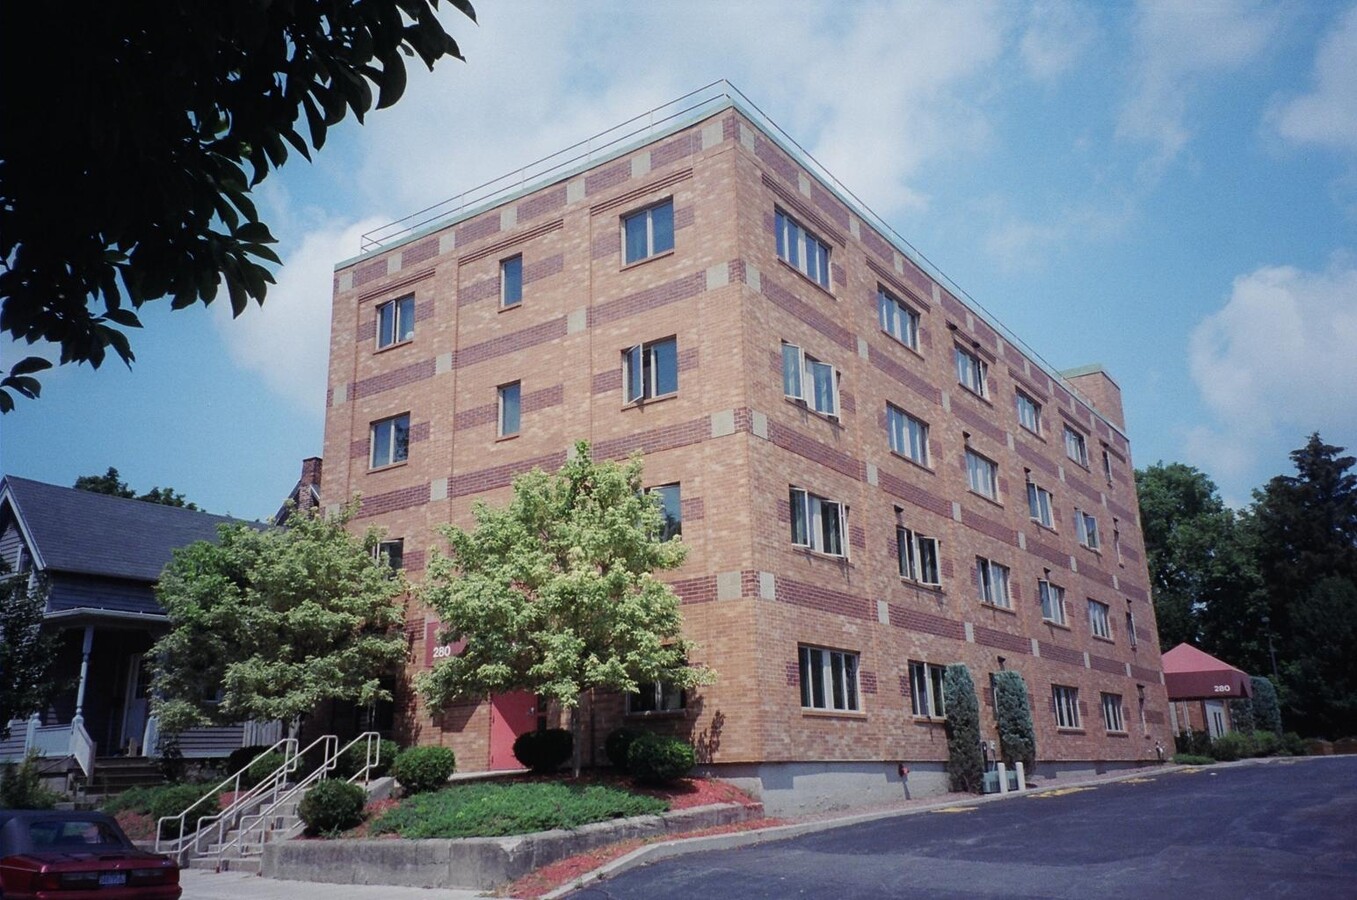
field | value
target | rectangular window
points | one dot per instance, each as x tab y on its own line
1131	629
395	322
982	475
656	697
1107	465
809	380
1076	448
802	250
1112	714
818	523
1065	701
1029	413
391	553
1052	602
908	435
1039	505
1116	540
925	690
1099	622
650	370
1086	526
510	408
897	319
390	439
648	232
670	510
511	281
829	679
972	372
918	556
992	581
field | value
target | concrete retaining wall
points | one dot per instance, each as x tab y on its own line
793	789
475	863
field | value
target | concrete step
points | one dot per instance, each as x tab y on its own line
250	864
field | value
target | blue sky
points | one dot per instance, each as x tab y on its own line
1169	189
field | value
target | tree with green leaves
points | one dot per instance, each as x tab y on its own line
26	652
965	764
1319	677
111	483
126	171
1013	710
556	593
267	623
1266	711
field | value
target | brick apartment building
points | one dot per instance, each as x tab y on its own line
875	481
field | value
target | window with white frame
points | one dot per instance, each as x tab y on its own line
1113	717
1130	627
1107	465
511	281
1065	701
897	319
1076	448
650	370
925	690
1086	527
648	232
982	475
1029	412
829	679
509	398
818	523
671	510
390	553
809	380
390	441
395	322
1039	505
908	435
656	697
1052	601
802	250
992	581
1116	539
972	372
918	556
1099	619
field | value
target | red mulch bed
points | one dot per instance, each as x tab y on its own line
138	826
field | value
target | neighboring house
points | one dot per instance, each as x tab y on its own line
102	557
875	480
1198	686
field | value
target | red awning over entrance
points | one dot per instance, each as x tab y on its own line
1191	674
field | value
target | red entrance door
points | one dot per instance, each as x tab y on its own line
511	714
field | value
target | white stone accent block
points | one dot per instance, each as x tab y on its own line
1116	583
956	510
752	278
970	632
718	276
438	489
872	475
899	264
640	164
1008	438
341	395
883	612
946	401
346	280
1022	541
712	135
803	183
937	294
574	191
576	321
747	137
442	364
728	586
1061	471
862	347
854	228
508	218
447	241
1087	663
723	423
759	424
767	586
1074	565
332	510
395	262
1036	648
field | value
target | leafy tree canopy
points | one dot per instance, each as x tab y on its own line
556	592
26	653
266	624
126	166
111	483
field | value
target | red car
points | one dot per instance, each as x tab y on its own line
77	856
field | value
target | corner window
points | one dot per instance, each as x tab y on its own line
992	582
1086	526
1039	505
1099	622
908	435
809	380
650	370
897	319
391	553
656	697
918	556
395	322
510	408
829	679
982	475
390	440
1076	448
670	510
1029	413
972	372
1052	602
818	523
1065	702
511	281
802	250
1112	713
925	690
648	232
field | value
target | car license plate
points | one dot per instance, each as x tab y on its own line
112	879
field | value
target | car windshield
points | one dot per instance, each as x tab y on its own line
54	834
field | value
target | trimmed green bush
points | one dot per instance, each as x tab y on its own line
332	806
352	760
1230	747
485	809
1189	759
262	768
618	743
1267	712
1017	737
1292	745
422	769
1264	743
1196	743
965	765
241	758
1241	715
544	751
659	759
172	799
21	786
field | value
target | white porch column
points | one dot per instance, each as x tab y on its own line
84	676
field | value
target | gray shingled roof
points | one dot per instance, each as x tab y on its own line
95	534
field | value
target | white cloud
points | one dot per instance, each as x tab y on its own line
1274	364
1057	34
1328	114
287	340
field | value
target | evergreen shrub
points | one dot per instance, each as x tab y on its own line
618	743
173	799
1017	737
423	769
352	760
544	751
241	758
262	768
331	806
21	786
659	759
965	765
1267	712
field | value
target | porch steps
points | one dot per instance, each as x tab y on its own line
115	774
282	824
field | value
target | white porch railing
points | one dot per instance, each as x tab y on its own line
31	737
